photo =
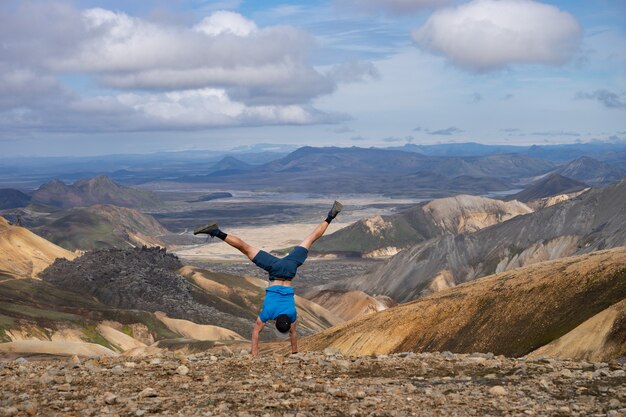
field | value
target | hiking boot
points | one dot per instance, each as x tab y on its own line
334	211
208	229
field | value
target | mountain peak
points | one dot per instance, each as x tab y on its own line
89	191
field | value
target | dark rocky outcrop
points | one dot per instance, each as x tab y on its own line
141	279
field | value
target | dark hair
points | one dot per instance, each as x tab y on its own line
283	323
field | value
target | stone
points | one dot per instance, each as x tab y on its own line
117	370
21	361
148	392
155	361
74	361
182	370
109	398
498	390
329	351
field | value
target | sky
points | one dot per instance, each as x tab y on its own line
88	77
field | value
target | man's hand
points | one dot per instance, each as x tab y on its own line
258	326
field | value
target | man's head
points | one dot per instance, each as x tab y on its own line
283	323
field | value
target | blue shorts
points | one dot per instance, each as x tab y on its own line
278	300
281	268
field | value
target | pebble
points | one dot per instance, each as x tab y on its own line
182	370
497	390
329	351
109	398
148	392
117	370
21	361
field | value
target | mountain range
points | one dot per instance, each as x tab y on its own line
592	221
379	171
387	235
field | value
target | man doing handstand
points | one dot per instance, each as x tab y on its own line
279	303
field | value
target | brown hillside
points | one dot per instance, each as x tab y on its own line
599	339
512	313
103	226
23	254
349	304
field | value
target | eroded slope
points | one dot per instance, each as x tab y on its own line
511	313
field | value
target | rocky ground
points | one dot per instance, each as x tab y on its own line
312	384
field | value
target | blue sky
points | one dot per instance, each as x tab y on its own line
98	77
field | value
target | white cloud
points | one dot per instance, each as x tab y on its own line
226	22
223	71
484	35
393	6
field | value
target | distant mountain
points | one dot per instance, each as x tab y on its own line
102	226
23	254
12	198
592	171
460	149
511	313
605	151
549	186
389	161
387	235
592	221
379	171
87	192
230	164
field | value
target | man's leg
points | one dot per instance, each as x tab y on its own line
242	246
321	228
255	336
316	234
214	231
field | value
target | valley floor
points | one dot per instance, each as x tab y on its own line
313	384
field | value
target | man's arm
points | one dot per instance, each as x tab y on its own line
293	337
255	336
